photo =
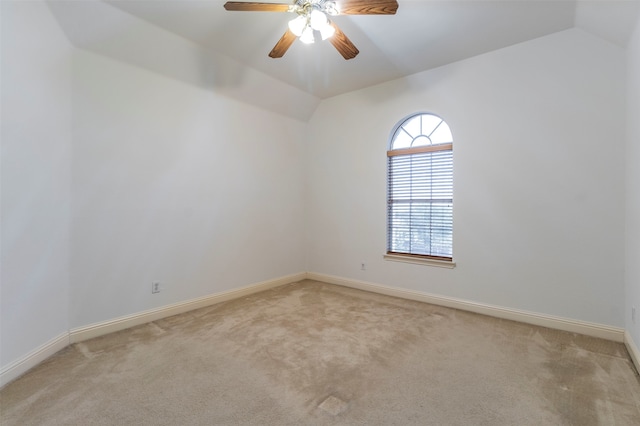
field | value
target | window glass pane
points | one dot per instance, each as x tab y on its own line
400	223
441	229
413	127
402	140
442	134
429	123
420	239
421	141
422	228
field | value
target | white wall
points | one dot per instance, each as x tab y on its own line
539	178
633	188
36	142
101	28
114	177
154	179
172	182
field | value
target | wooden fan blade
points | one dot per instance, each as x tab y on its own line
256	6
368	7
342	43
283	44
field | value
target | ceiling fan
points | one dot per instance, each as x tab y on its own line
313	20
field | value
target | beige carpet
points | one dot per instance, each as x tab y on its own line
317	354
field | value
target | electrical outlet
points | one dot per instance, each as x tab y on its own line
633	314
363	267
155	287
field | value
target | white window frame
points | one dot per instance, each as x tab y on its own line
419	137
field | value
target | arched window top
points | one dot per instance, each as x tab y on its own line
420	130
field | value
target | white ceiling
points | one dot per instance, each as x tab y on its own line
422	35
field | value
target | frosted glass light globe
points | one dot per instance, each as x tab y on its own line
307	36
317	19
327	31
297	25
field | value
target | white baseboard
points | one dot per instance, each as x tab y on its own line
634	352
94	330
33	358
549	321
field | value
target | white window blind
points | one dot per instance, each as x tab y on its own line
420	196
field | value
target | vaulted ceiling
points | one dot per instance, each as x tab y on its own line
421	36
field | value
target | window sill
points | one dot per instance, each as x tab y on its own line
420	261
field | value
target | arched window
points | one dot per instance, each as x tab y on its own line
420	189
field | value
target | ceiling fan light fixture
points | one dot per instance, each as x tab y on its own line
327	31
298	24
313	20
318	20
331	8
307	35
